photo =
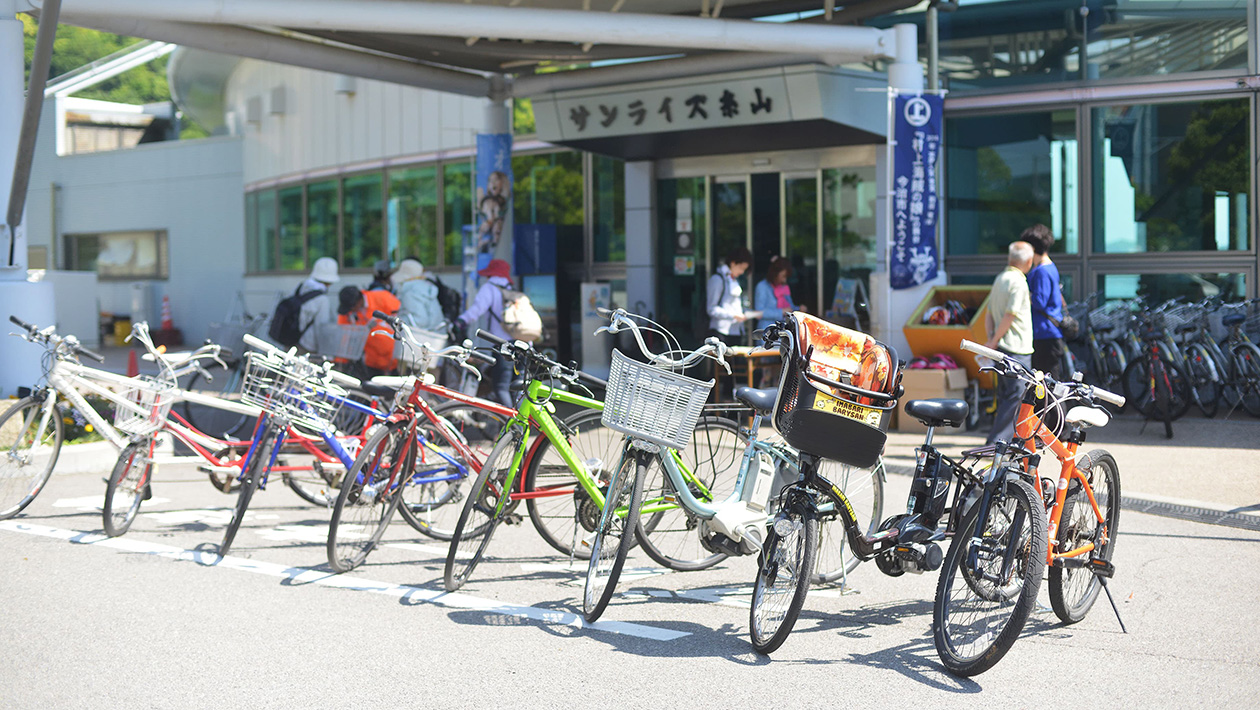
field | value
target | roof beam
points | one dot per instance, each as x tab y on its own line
841	43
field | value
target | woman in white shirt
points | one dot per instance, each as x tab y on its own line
723	297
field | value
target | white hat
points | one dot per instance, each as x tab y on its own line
409	269
325	270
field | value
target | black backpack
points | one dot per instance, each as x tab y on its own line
451	301
286	323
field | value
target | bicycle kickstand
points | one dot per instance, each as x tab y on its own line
1113	603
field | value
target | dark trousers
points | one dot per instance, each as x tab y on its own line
1048	356
501	380
1010	391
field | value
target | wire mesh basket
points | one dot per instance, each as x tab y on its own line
229	336
343	341
152	400
414	356
1110	315
292	389
653	404
1178	317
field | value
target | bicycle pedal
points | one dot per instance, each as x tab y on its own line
1102	568
513	519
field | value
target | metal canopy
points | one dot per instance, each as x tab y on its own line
521	39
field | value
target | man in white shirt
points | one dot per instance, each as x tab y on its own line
1009	326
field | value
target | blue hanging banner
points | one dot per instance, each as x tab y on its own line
917	135
490	235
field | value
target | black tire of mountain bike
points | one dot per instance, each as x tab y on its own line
1071	607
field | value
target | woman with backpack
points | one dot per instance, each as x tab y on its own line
489	300
418	296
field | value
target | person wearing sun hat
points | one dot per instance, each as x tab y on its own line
489	301
419	296
320	308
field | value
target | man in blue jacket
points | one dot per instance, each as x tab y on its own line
1047	302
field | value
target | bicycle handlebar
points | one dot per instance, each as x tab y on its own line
22	324
713	348
562	371
1024	373
69	341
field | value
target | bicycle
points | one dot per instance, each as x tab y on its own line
1242	379
1154	381
1083	505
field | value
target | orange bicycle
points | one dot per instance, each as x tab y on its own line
1083	506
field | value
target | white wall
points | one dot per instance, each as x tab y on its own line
322	129
192	189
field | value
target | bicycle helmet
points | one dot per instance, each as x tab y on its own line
919	363
936	315
941	361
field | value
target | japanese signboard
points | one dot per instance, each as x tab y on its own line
916	147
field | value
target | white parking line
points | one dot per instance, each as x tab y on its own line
326	579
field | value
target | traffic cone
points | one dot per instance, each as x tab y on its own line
133	365
167	323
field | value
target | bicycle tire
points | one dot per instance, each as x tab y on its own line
314	484
1114	363
1204	385
614	536
251	480
369	495
1156	388
1012	600
1247	364
21	477
224	384
784	570
672	537
481	513
864	487
1073	589
126	488
567	515
433	509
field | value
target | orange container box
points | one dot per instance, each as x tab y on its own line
927	340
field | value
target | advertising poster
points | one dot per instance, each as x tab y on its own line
912	242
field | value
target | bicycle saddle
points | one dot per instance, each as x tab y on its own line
938	412
1088	416
1232	319
760	400
1153	334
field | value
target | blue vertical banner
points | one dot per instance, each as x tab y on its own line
494	196
916	134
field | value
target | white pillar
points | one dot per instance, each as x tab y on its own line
32	302
640	238
893	307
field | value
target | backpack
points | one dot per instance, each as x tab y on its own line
449	299
520	320
286	323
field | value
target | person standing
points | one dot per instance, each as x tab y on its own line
320	308
357	308
1009	327
773	299
418	295
723	298
1047	302
381	272
489	300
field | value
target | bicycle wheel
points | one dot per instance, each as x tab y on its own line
784	569
224	383
614	536
29	448
559	508
314	483
1204	384
1113	364
671	536
128	487
864	487
989	582
1073	587
1155	388
1247	376
483	510
432	507
369	495
251	480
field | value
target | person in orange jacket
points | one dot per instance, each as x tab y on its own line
356	308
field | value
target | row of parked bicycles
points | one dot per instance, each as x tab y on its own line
601	467
1168	356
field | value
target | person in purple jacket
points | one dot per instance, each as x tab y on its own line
1047	302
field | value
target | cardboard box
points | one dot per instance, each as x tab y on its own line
928	384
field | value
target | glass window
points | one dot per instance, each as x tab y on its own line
1171	177
292	245
681	273
265	231
361	213
457	208
116	256
547	189
413	202
251	232
321	220
609	206
730	218
848	238
1005	173
1157	288
1013	42
800	220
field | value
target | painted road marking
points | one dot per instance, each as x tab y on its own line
305	575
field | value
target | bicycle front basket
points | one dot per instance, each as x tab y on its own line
153	398
282	389
828	421
653	404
